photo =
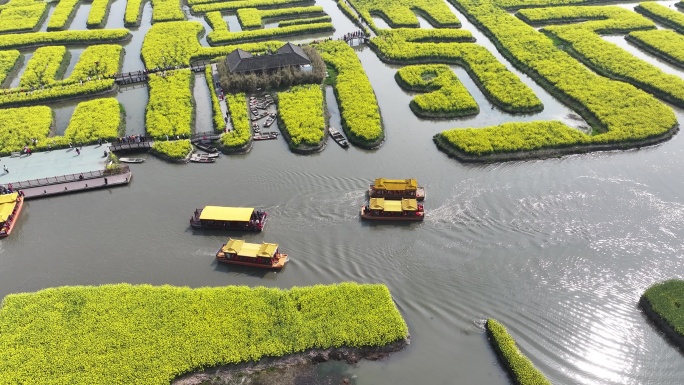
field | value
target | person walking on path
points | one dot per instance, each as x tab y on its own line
78	152
5	168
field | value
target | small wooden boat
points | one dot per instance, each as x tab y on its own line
206	147
266	136
201	159
396	189
229	218
338	137
10	208
209	156
263	256
131	160
380	209
269	121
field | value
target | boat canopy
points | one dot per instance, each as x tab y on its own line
229	214
393	205
7	204
396	184
251	250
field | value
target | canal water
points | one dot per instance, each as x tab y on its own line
558	250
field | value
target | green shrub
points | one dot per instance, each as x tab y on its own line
449	98
22	17
359	110
19	125
174	149
44	66
8	60
521	367
301	111
311	20
241	133
62	15
124	334
62	37
400	13
666	299
218	119
170	109
662	14
98	13
503	88
95	119
666	44
224	36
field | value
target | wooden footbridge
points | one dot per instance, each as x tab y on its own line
132	146
67	184
204	136
144	75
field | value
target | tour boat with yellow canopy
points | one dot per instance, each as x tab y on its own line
239	252
396	189
229	218
393	210
10	208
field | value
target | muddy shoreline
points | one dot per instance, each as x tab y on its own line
287	367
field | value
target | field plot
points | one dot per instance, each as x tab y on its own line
132	334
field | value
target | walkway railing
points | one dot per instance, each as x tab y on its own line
200	136
67	178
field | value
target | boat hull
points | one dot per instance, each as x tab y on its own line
420	194
398	218
220	257
6	229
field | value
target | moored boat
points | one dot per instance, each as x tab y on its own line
229	218
196	158
396	189
380	209
206	147
209	156
10	208
264	256
131	160
265	136
338	137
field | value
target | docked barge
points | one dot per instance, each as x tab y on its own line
381	209
264	256
229	218
10	208
396	189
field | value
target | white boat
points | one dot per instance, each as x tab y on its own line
131	160
213	155
337	137
201	159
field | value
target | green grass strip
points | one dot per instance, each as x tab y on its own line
22	18
98	13
666	299
665	44
241	133
61	17
445	97
24	40
174	149
19	125
43	67
170	110
223	36
301	112
95	119
312	20
234	5
520	367
402	13
663	15
8	61
125	334
358	105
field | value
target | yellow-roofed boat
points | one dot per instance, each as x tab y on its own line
396	189
382	209
239	252
229	218
10	208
